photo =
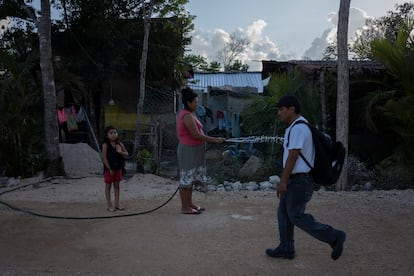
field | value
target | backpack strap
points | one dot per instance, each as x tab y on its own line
300	153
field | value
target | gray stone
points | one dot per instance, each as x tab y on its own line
237	186
251	167
211	188
367	186
274	179
220	188
228	188
265	185
252	186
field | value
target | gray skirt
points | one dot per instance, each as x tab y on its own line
191	164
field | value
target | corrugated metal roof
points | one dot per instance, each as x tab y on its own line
202	80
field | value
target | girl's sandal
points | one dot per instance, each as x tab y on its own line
120	208
110	209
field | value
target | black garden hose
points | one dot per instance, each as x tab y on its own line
76	218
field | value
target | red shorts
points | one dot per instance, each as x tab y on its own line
117	177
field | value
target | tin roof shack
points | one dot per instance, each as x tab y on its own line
201	81
224	95
226	104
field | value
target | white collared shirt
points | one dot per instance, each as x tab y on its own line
300	138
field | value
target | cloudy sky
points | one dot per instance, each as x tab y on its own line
275	29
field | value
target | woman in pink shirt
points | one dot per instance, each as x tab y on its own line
191	150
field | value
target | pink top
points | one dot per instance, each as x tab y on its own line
184	136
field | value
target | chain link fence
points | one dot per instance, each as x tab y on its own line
156	152
230	161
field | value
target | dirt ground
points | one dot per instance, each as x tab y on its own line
229	238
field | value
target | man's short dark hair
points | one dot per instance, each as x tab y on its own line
288	101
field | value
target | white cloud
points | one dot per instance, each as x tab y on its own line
357	19
319	44
260	47
207	43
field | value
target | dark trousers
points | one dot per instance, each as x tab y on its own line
291	212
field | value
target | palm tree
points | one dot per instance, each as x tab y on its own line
395	107
55	166
398	57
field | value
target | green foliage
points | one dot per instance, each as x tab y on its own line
99	43
20	138
385	27
196	61
375	108
214	67
263	107
236	66
94	40
395	177
200	63
143	157
399	115
393	109
259	117
221	170
12	8
143	160
398	56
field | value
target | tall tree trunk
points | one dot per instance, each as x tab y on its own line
342	104
142	72
323	98
55	165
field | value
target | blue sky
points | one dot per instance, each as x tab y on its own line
276	29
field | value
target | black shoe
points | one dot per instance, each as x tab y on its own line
338	245
278	253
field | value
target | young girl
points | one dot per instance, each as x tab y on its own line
113	154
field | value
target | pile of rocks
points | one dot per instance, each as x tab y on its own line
269	185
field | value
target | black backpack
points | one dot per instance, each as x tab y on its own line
329	156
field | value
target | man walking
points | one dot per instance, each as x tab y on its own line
296	186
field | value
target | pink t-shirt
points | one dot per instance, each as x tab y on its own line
184	136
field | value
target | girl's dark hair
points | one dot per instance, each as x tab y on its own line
188	95
106	130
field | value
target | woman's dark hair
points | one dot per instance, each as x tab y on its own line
106	130
188	95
